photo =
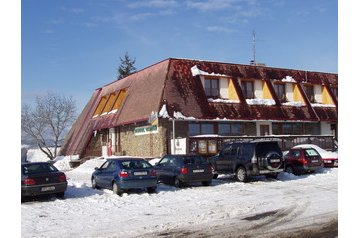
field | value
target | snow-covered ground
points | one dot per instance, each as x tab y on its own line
259	208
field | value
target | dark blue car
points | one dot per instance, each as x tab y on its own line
124	173
182	169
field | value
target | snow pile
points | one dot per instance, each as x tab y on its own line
36	155
288	79
223	100
82	174
260	101
294	104
154	161
196	71
63	162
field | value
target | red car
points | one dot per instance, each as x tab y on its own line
330	159
302	160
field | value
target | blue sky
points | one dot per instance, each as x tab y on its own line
72	47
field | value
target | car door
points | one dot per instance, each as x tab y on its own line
104	174
221	161
162	170
231	159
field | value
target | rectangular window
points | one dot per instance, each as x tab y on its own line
248	89
309	92
100	106
194	129
280	90
207	128
212	88
119	99
224	129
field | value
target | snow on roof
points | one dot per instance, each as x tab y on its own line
163	113
223	100
322	105
179	115
288	79
196	71
256	101
294	104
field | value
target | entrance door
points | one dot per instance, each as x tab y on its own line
264	130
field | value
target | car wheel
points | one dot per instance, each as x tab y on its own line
241	174
215	176
116	189
289	169
60	195
151	189
178	183
206	183
94	184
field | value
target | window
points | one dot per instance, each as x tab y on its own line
212	88
194	129
335	91
309	92
248	89
207	128
230	129
280	90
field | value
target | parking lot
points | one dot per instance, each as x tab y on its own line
259	208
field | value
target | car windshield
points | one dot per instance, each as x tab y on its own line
38	168
311	152
194	160
135	164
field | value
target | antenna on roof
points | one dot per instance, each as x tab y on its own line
253	62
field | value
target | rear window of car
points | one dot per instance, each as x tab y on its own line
194	160
38	168
135	164
311	152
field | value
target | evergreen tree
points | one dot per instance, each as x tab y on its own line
126	67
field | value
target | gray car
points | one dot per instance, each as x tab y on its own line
42	178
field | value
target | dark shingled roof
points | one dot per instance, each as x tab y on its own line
171	82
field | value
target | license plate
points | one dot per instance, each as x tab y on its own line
198	170
314	161
327	161
140	173
45	189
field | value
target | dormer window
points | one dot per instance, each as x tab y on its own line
310	93
212	88
280	90
248	89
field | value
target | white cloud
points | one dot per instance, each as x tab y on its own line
210	5
154	4
219	29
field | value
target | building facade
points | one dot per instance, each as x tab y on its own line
201	104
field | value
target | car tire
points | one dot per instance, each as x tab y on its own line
94	184
116	189
178	183
241	174
60	195
206	183
151	189
289	170
215	176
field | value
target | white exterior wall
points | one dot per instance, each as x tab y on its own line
326	128
224	87
317	93
258	89
289	92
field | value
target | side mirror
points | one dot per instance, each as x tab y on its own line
156	163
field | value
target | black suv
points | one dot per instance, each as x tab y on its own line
246	159
181	169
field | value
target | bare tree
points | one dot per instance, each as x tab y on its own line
48	121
